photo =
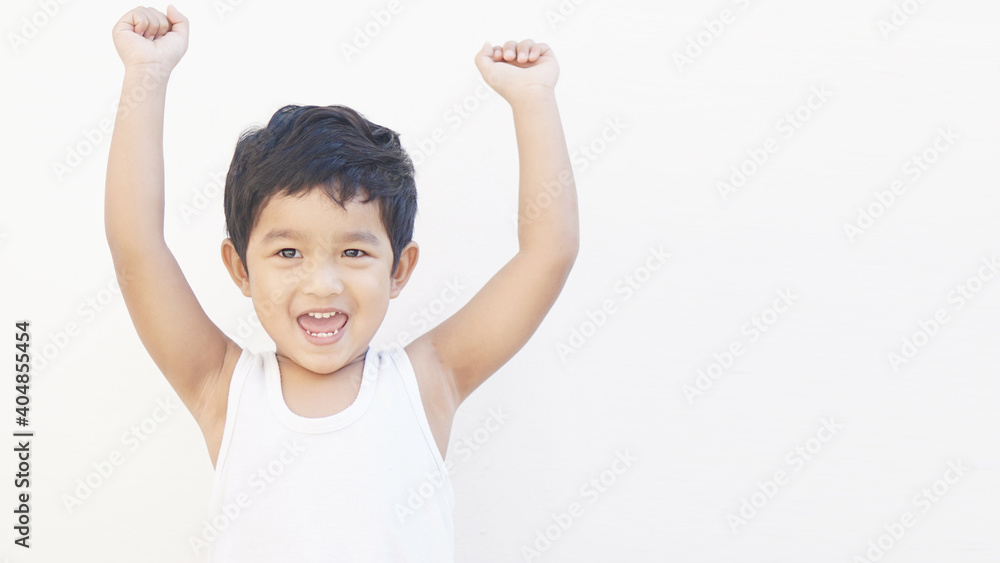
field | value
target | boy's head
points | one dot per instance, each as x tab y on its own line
299	193
331	147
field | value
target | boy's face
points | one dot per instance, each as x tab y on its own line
307	254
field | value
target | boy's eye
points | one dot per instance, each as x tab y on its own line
284	253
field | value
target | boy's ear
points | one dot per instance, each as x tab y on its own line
407	261
235	266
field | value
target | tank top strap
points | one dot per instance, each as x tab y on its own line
397	354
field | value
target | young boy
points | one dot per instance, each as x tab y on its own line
326	449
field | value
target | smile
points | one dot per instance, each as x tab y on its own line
323	328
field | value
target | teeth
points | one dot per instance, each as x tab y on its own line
324	334
322	315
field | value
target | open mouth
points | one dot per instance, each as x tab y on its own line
323	326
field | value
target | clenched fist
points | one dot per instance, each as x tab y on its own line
147	37
518	68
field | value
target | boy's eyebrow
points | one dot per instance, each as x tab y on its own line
351	236
280	234
361	236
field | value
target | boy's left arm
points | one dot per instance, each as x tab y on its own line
468	347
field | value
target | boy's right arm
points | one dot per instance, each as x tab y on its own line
183	342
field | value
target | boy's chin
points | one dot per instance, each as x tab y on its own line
321	359
318	362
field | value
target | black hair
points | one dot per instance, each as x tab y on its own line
333	147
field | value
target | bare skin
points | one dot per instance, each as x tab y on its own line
450	361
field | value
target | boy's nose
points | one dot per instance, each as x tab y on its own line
322	278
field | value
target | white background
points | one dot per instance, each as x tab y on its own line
653	185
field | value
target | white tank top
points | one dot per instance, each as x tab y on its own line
365	484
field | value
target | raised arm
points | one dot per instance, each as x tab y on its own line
481	337
187	347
